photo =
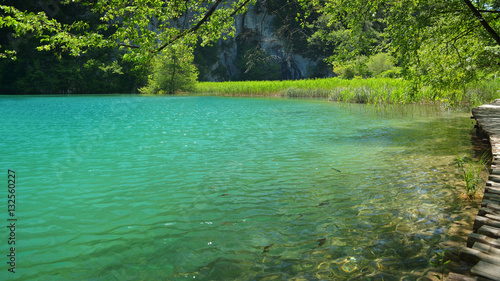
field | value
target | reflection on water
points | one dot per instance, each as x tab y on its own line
154	188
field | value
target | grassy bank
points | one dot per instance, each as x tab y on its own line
371	91
357	90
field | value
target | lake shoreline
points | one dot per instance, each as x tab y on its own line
485	227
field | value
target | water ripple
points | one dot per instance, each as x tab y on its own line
127	188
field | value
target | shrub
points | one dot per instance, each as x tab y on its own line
380	63
353	69
391	73
173	70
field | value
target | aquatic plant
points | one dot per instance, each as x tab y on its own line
471	175
440	263
471	172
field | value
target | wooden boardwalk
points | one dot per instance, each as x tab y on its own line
483	244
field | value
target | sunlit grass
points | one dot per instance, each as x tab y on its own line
481	92
371	91
357	90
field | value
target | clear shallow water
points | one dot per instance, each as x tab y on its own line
175	188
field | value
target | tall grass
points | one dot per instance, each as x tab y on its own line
371	91
482	92
356	90
471	172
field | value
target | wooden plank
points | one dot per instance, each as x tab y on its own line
490	204
481	238
494	178
484	211
474	256
459	277
488	270
485	244
492	183
488	209
492	197
493	203
481	220
493	217
489	231
487	249
492	189
470	255
478	222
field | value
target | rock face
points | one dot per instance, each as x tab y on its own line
259	51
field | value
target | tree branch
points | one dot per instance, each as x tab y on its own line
128	46
489	11
285	25
240	7
483	22
462	34
192	29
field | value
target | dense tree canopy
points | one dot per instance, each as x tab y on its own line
145	27
444	43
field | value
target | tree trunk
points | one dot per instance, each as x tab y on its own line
172	81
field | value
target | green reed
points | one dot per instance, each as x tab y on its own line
439	262
374	90
471	172
371	91
482	92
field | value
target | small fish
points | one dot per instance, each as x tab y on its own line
213	187
324	203
336	170
266	248
321	242
226	194
299	216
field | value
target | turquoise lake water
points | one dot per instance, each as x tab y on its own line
212	188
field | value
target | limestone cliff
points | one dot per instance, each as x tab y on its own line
262	49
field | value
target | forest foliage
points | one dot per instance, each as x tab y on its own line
172	70
79	46
445	44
